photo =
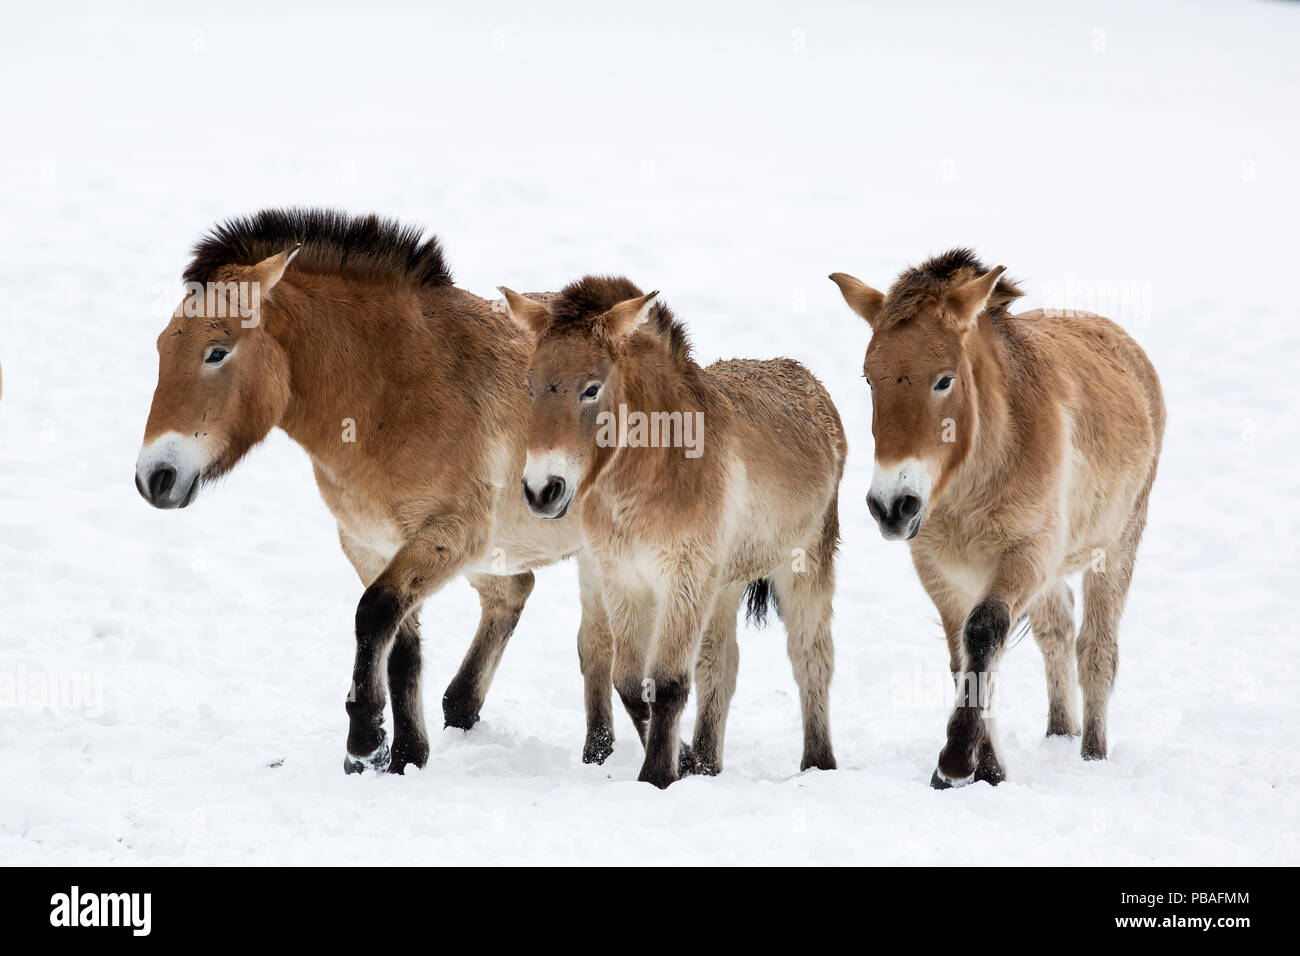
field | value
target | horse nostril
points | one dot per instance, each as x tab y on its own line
909	506
528	494
161	481
552	493
874	506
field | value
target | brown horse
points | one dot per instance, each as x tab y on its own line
692	484
408	394
1011	450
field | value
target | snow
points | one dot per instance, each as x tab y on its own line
1135	159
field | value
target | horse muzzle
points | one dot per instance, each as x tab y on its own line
169	471
551	500
549	483
898	496
898	517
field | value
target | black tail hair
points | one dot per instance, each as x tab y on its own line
759	596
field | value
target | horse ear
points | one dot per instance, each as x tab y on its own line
271	269
629	315
532	317
966	301
862	299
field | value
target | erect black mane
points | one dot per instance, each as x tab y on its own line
581	302
923	284
332	241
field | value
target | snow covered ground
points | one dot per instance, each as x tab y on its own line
1136	159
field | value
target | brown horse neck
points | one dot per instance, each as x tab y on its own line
339	354
654	382
988	457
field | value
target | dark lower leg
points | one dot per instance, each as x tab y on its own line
983	638
378	615
637	706
661	758
410	739
987	766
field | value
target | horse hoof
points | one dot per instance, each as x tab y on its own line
415	754
1093	747
707	768
939	782
823	761
660	780
377	760
457	715
687	765
600	744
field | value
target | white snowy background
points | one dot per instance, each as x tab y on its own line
1138	158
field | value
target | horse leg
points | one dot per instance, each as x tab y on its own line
715	681
969	746
410	739
804	600
952	612
501	600
969	753
1105	588
421	566
369	565
596	658
1052	619
688	605
631	617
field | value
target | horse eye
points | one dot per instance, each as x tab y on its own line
216	356
591	392
943	384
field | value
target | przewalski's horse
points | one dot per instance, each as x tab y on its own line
408	394
692	484
1011	450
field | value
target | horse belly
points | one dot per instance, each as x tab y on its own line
1099	504
765	525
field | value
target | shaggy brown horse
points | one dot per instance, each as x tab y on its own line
692	484
1011	451
408	394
